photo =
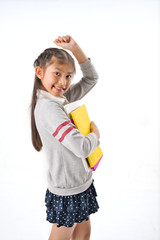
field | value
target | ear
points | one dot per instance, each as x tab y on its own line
39	72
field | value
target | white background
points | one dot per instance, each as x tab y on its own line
122	39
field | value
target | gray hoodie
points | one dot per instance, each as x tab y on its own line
63	144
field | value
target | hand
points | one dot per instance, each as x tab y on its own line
94	128
66	42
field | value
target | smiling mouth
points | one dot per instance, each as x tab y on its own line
58	88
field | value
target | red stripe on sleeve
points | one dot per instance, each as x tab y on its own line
59	127
65	133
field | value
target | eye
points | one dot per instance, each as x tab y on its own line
68	76
57	73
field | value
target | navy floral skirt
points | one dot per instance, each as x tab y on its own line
67	210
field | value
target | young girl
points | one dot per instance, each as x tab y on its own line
71	196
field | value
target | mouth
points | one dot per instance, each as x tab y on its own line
59	89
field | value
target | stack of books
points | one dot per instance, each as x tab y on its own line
80	118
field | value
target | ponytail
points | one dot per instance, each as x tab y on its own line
36	140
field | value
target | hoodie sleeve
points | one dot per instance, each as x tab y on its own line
60	127
87	82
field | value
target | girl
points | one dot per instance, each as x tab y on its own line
71	196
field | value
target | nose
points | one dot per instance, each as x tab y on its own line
62	81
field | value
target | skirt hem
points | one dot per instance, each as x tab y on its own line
66	225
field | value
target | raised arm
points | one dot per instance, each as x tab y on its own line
90	76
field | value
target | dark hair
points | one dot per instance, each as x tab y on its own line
43	60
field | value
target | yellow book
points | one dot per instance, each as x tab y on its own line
81	120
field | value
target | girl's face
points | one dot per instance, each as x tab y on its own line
56	78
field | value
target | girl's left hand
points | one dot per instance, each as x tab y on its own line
66	42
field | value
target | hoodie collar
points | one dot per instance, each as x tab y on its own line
44	94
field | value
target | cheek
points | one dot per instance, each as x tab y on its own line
49	79
68	83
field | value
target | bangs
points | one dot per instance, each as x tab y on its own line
61	61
